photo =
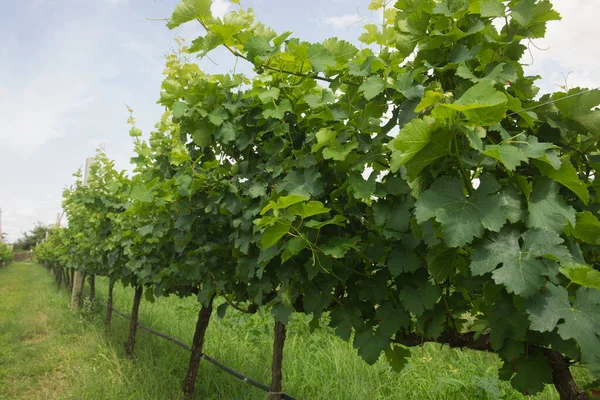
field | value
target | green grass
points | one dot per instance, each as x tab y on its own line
49	352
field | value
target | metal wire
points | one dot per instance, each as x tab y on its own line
552	101
211	360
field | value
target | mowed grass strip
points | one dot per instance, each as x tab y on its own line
49	352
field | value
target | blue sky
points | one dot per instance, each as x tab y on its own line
68	67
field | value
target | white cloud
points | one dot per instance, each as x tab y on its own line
220	7
344	21
39	102
571	45
26	212
95	143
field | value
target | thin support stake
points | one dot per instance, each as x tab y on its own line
275	391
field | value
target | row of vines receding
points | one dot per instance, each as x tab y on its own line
416	189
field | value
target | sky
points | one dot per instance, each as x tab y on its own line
70	68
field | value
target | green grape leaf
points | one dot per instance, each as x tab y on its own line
324	136
179	109
443	262
587	228
412	138
277	111
509	155
226	132
292	247
531	374
522	272
321	58
579	321
462	218
140	192
431	98
391	318
361	188
146	229
566	176
188	10
418	299
547	208
522	12
394	215
482	104
273	233
338	220
337	247
437	148
287	201
513	204
397	357
487	8
281	313
337	151
402	260
579	107
505	321
372	86
370	345
341	49
269	95
257	46
304	182
218	116
309	209
582	275
257	189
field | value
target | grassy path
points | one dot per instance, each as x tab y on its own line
44	349
49	352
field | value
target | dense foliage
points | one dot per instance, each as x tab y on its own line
6	253
415	189
30	239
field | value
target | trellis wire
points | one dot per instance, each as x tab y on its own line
552	101
211	360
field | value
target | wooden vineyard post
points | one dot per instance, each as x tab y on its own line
59	277
109	303
134	318
78	278
92	290
189	382
275	391
77	289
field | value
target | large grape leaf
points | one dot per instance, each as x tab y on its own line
304	182
567	176
509	155
587	228
582	275
532	372
188	10
520	149
421	298
579	321
372	86
462	218
522	271
579	107
411	139
320	57
547	208
481	103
